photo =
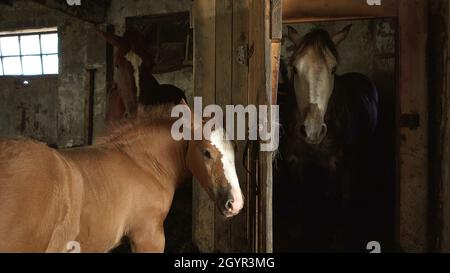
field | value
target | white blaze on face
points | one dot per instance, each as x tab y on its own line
313	82
227	151
136	62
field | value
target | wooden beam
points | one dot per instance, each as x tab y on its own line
446	152
89	11
438	14
297	11
224	60
203	216
242	235
412	137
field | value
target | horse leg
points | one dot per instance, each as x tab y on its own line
149	239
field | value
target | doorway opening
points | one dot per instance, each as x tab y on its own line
319	213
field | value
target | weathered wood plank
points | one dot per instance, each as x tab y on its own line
276	58
276	28
438	14
295	11
446	152
260	94
272	62
204	82
413	142
224	57
241	240
266	200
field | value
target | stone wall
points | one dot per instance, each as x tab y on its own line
52	108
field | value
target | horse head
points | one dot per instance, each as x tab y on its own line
314	64
127	64
212	161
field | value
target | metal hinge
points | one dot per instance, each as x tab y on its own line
243	54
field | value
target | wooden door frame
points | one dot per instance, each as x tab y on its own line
265	37
243	42
412	118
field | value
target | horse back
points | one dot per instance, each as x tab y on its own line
354	105
39	198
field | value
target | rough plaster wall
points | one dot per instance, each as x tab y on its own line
81	49
117	14
29	110
54	107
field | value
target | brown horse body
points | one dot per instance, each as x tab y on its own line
122	185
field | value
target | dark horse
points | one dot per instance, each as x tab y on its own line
134	82
329	128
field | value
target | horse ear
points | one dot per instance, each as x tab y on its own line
183	102
112	39
293	35
341	35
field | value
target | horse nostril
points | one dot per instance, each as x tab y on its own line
229	205
323	130
303	131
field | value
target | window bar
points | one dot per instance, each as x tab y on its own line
1	61
40	54
20	53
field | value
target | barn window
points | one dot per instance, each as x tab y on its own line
31	52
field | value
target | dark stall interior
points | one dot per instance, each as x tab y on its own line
316	220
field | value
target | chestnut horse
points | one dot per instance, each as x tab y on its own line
122	185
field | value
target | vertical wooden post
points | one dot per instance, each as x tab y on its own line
242	233
265	40
204	82
446	148
412	136
89	106
223	90
256	86
438	15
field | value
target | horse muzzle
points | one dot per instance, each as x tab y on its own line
230	204
313	134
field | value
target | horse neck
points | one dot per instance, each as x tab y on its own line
157	153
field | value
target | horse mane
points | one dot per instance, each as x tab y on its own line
146	118
320	40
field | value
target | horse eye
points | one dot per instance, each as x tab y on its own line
207	154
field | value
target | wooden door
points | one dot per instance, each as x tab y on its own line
233	64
